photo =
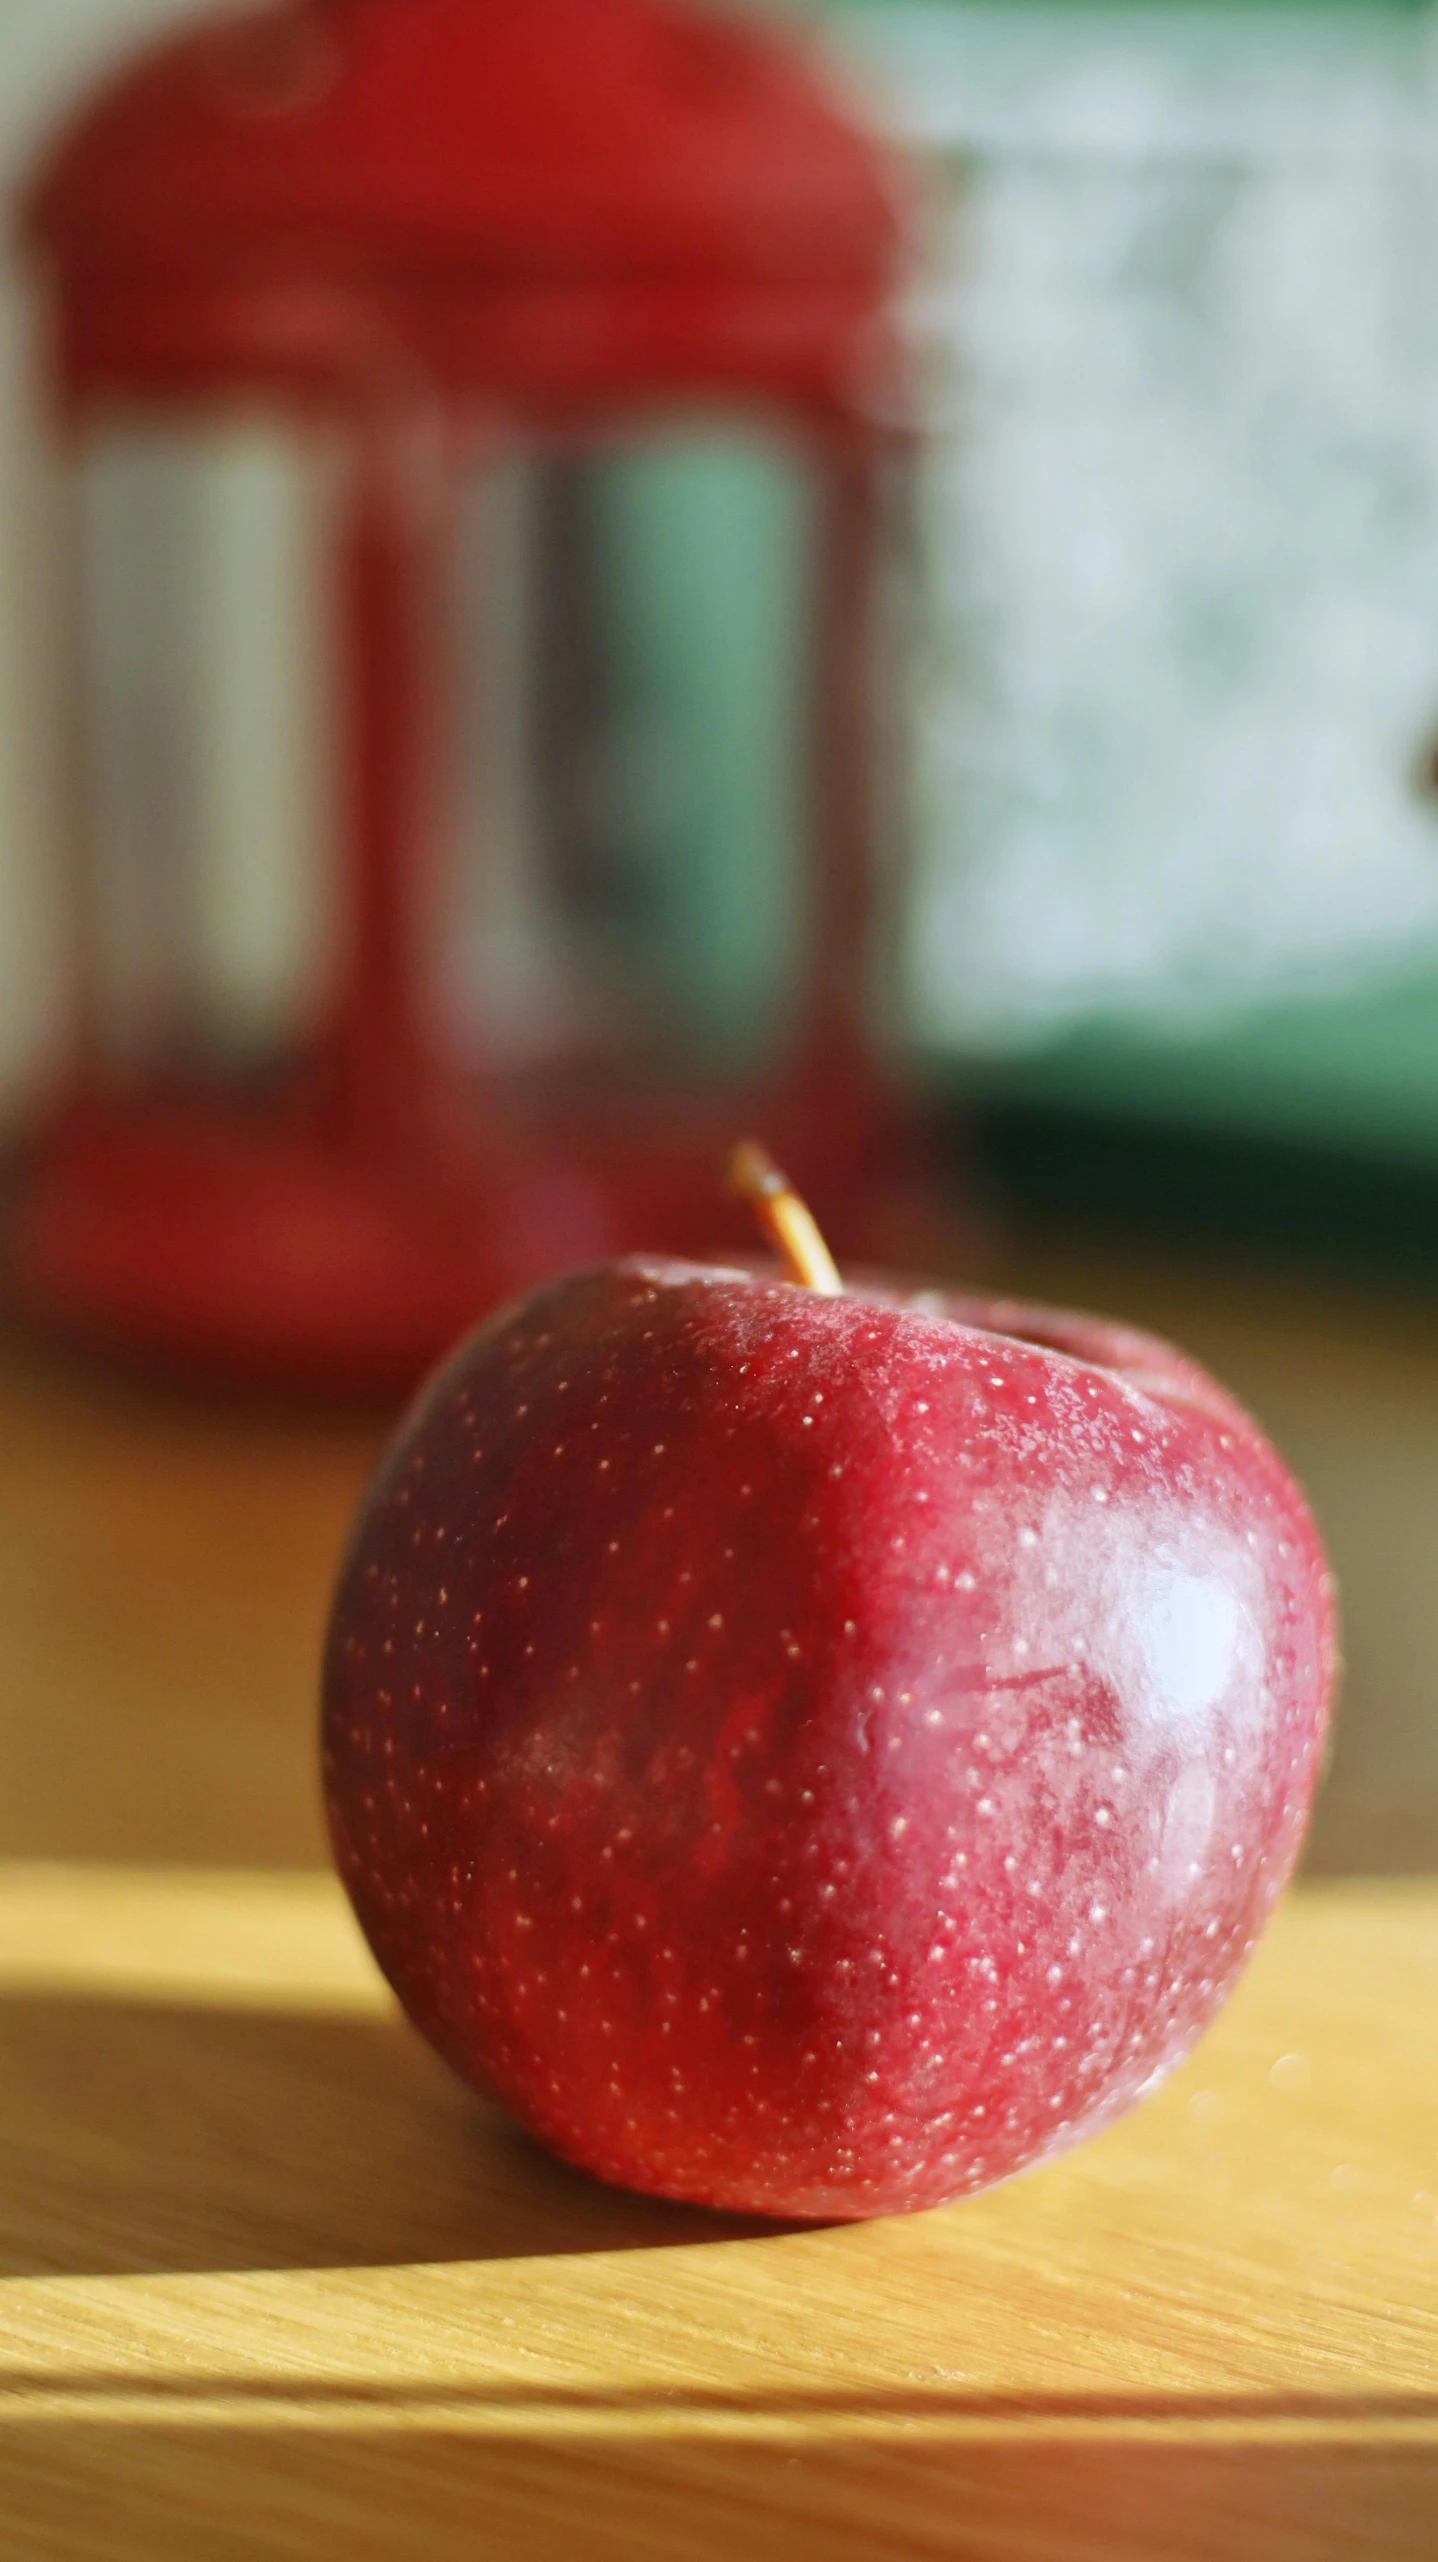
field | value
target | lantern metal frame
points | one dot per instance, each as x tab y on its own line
397	218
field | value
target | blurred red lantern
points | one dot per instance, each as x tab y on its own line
480	416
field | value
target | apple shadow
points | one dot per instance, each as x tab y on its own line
149	2138
152	2138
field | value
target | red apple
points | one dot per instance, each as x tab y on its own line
816	1754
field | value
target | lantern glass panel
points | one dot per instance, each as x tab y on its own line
630	875
205	876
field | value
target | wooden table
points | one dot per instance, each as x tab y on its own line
272	2285
276	2286
164	1566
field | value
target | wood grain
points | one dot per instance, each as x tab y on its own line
274	2284
165	1564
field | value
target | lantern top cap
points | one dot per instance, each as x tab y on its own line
568	137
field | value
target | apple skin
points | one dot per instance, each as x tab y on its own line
816	1755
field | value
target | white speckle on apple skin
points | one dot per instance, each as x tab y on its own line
837	1808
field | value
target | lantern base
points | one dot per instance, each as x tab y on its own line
201	1240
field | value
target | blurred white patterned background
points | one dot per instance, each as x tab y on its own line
1182	516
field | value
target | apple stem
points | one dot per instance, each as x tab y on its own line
752	1173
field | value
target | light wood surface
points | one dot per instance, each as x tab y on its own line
164	1570
164	1566
275	2285
271	2284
